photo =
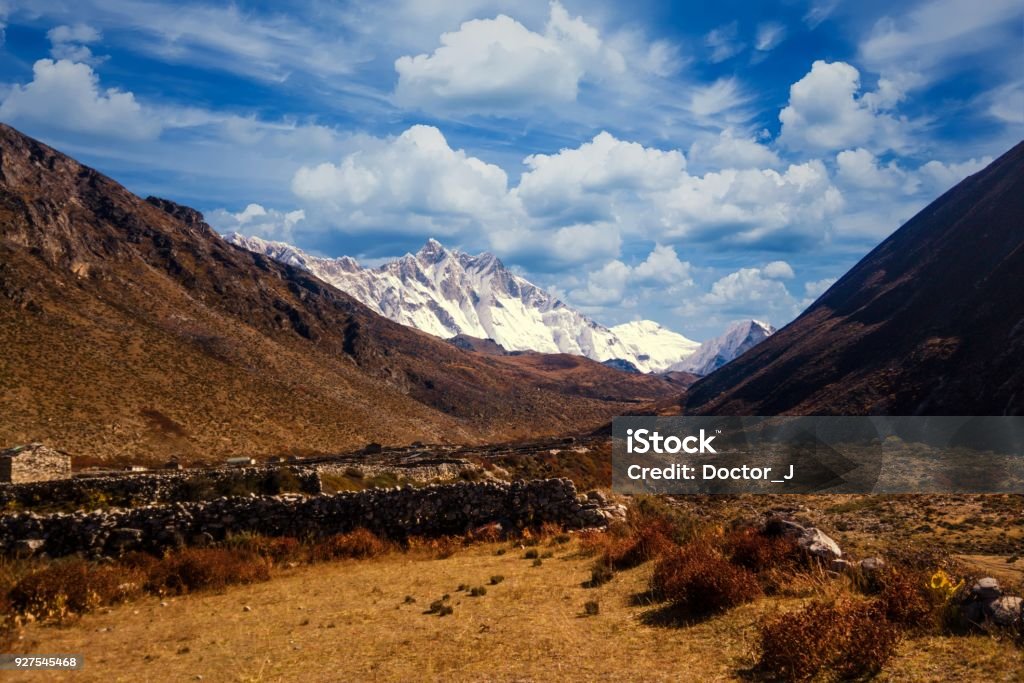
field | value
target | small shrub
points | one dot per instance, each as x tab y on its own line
750	549
445	610
409	600
278	549
600	574
462	587
192	569
591	608
697	580
848	639
647	536
538	562
67	588
561	539
496	579
488	533
531	554
592	542
440	548
356	544
478	591
906	599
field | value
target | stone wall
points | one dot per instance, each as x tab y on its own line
395	513
126	490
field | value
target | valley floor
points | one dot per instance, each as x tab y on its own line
351	621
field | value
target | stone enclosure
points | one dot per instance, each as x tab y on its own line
396	513
33	462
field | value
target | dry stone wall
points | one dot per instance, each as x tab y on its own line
395	513
124	490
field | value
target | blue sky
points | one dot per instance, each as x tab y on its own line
692	163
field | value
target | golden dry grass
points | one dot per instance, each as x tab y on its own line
349	621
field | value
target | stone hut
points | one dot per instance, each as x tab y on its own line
33	462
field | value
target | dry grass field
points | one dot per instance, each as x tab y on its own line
353	620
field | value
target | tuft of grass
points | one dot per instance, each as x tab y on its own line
496	579
600	574
531	554
478	591
591	608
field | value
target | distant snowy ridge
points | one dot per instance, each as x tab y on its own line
739	338
447	292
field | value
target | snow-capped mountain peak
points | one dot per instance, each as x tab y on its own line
446	292
733	343
653	344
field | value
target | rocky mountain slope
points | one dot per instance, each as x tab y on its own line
129	329
931	322
449	293
739	338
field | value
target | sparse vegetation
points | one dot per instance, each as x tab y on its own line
844	639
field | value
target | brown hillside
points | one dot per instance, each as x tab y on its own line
129	329
929	323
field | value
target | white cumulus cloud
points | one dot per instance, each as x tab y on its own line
415	182
493	65
65	95
826	112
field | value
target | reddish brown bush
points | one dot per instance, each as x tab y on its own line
696	579
278	549
439	548
847	639
192	569
749	548
71	587
643	539
357	544
906	600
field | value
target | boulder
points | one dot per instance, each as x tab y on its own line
1006	611
818	543
986	588
871	565
28	547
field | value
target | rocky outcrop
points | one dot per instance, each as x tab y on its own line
396	513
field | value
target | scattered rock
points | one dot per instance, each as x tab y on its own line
870	565
986	588
27	547
246	608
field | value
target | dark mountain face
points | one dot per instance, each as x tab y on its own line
929	323
129	329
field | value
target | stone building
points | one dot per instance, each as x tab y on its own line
33	462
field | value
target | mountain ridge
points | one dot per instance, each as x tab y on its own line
130	330
930	322
448	293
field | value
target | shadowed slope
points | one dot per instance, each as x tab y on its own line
930	322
